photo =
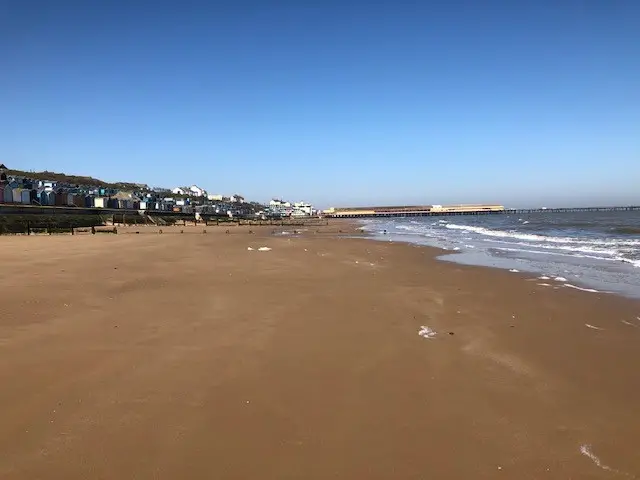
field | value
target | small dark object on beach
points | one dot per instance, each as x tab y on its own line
137	233
160	231
339	231
250	231
227	231
511	326
384	231
115	268
181	231
204	231
451	333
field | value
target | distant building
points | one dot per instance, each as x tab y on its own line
47	185
279	208
215	198
197	191
193	190
302	209
279	203
237	198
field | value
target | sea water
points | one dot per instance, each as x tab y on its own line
592	250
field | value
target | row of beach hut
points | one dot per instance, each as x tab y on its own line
25	196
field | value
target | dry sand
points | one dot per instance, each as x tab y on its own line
188	356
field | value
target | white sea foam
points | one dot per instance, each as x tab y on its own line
594	249
592	255
570	248
544	277
635	263
538	238
597	249
513	270
590	290
523	250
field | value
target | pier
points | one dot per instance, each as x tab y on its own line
382	212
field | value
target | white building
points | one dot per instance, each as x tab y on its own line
302	209
215	198
197	191
237	198
193	190
47	185
279	203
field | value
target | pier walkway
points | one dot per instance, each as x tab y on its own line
515	211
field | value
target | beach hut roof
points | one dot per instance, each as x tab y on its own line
3	166
122	196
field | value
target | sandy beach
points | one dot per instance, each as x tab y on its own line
148	356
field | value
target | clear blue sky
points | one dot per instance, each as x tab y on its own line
334	102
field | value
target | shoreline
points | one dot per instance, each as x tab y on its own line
182	355
461	257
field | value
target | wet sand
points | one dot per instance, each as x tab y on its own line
188	356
